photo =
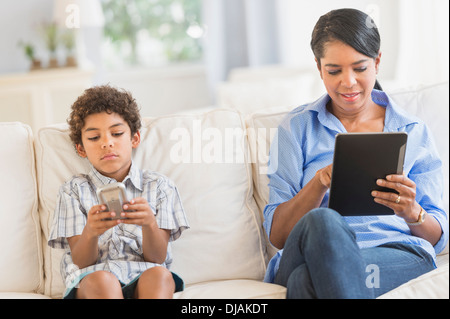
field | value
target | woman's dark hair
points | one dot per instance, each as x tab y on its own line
350	26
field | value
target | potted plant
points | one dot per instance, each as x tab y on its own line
68	40
50	32
29	52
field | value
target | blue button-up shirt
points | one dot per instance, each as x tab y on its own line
305	144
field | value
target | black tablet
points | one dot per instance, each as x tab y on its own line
359	160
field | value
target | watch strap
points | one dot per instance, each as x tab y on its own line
421	218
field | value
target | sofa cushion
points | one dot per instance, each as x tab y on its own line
21	262
206	156
431	104
251	96
432	285
232	289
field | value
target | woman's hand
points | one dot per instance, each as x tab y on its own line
324	175
289	213
404	203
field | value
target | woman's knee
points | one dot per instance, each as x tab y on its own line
318	220
320	227
322	215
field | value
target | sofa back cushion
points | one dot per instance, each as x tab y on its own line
21	262
206	156
431	104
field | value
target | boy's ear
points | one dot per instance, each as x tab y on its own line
80	150
136	139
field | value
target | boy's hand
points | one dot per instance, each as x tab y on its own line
98	222
141	213
154	239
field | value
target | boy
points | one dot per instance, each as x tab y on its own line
118	258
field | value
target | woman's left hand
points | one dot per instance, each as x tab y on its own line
404	203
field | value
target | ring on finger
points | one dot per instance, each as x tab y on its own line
398	199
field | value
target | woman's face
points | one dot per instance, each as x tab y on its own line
348	76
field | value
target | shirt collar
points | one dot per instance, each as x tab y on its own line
134	177
395	118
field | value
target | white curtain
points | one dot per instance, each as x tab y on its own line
240	33
424	42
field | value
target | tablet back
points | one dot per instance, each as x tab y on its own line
359	160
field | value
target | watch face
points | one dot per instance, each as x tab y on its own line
420	219
422	215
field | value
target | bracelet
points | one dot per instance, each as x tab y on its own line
420	220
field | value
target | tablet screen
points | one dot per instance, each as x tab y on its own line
359	160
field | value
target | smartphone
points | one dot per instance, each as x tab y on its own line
113	196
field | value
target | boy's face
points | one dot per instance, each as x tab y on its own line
108	144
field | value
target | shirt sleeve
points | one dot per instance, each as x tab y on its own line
285	160
169	212
69	217
428	175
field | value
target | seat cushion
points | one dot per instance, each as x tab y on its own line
432	285
233	289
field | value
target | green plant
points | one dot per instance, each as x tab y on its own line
28	49
51	36
68	40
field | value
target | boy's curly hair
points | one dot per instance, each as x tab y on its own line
99	99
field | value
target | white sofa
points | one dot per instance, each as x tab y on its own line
218	161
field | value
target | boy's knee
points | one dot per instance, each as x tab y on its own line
156	282
160	274
101	277
100	283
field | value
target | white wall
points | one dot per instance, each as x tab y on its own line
298	18
414	36
20	20
415	44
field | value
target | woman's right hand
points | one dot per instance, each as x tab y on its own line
289	213
324	175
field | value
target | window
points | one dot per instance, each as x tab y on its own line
151	32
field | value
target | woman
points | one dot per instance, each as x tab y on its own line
325	255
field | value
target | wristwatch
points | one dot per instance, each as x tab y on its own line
420	219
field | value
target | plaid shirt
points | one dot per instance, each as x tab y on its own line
120	247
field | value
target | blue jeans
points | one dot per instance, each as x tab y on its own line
321	259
